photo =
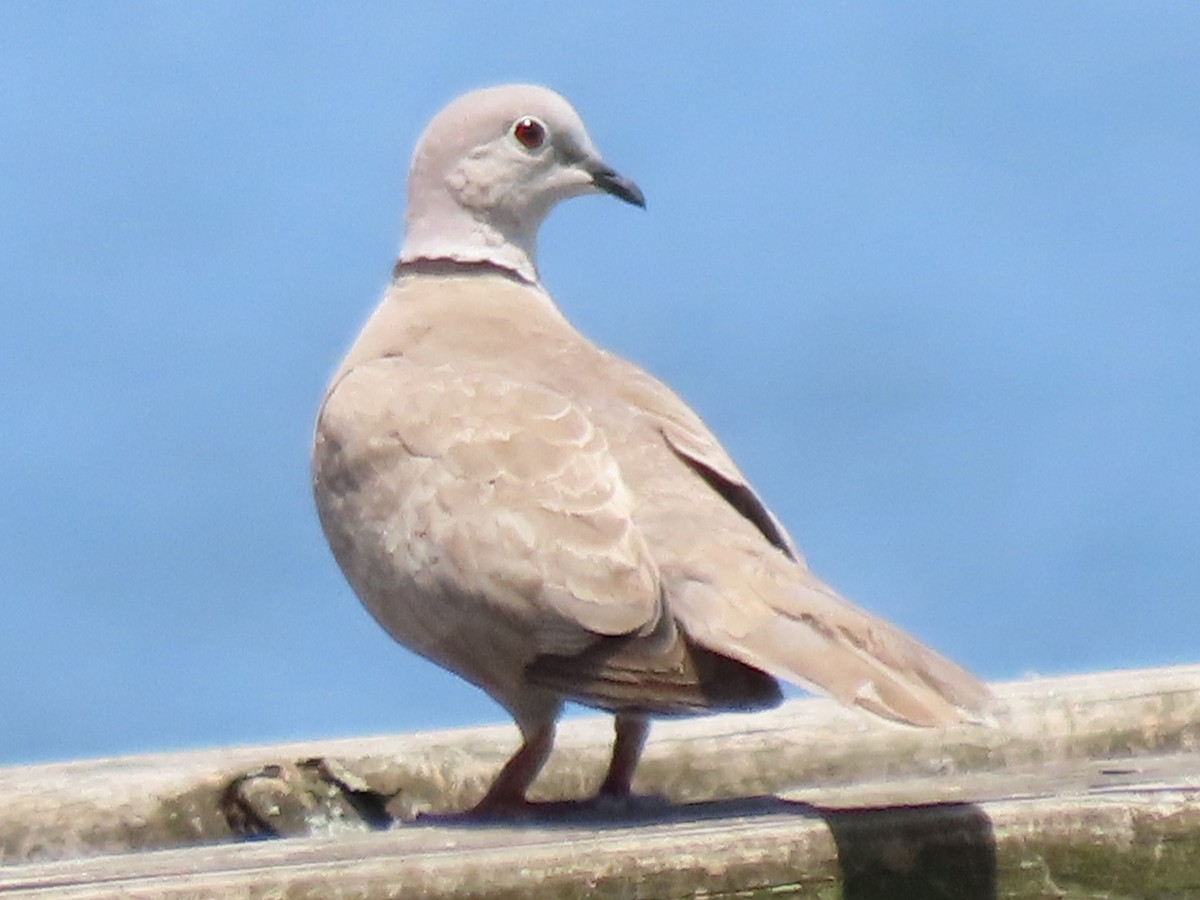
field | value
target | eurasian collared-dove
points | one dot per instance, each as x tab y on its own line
547	520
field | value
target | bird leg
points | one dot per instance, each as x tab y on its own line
507	793
506	796
632	729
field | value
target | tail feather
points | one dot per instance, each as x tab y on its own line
631	674
806	634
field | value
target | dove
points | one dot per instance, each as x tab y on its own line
544	518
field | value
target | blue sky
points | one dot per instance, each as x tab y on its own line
931	271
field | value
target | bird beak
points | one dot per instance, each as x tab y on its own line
616	184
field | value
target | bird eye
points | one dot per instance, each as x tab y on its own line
529	132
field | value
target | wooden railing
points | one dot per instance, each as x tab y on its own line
1085	786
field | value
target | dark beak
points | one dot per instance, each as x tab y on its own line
616	184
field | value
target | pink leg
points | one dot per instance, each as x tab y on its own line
632	730
507	793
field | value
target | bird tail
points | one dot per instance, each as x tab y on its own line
634	674
797	629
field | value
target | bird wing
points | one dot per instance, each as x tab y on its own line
746	592
498	489
696	446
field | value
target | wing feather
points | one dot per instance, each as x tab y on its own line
507	491
734	595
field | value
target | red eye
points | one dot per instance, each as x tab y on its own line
530	132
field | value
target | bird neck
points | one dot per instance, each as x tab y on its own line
439	228
447	266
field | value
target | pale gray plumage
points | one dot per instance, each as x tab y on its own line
544	518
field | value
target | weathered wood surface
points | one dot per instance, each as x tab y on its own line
1095	845
1087	786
